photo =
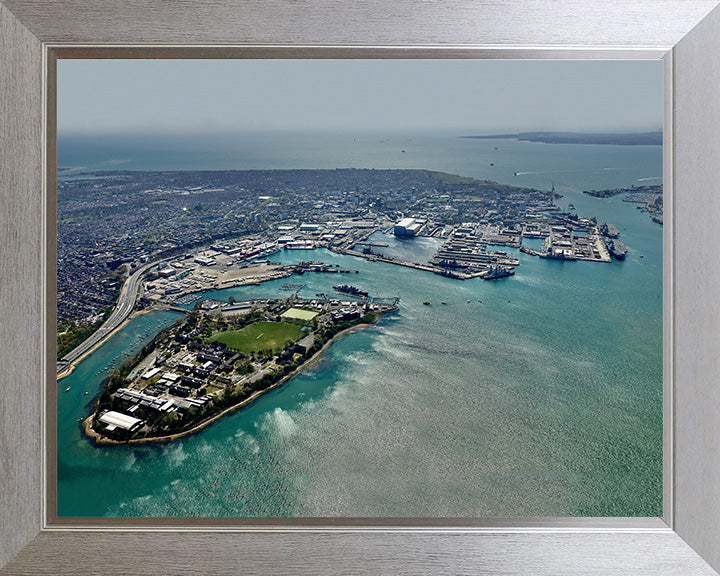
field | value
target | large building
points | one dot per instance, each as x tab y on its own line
119	420
407	227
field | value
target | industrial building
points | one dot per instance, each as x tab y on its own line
204	261
407	227
145	400
115	420
150	373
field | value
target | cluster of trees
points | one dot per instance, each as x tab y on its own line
114	381
212	325
71	334
244	367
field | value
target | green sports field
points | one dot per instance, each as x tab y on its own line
299	314
260	336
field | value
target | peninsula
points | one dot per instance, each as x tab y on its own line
650	198
219	358
618	139
656	189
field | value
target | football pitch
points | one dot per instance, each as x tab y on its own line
260	336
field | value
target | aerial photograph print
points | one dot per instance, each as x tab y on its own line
359	288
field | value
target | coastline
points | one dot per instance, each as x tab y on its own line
89	474
71	367
232	283
593	138
100	439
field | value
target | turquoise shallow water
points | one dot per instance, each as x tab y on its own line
544	399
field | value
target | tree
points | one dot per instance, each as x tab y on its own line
168	420
227	394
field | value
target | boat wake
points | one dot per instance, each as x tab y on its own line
547	172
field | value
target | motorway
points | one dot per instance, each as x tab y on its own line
125	305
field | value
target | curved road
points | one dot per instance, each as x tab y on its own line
125	305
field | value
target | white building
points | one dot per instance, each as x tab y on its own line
407	227
204	261
150	373
119	420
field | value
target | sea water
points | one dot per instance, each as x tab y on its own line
534	395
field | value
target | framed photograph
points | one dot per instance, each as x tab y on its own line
318	239
467	241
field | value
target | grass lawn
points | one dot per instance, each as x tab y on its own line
260	336
299	314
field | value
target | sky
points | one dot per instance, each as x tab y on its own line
463	96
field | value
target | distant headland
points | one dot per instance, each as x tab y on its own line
619	139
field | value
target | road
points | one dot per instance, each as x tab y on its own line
125	305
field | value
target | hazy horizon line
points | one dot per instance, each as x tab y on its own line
359	131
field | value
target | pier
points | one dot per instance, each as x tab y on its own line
562	245
379	258
377	244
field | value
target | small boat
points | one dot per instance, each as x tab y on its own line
443	302
426	303
86	393
67	389
79	420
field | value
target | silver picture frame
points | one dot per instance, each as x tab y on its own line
684	33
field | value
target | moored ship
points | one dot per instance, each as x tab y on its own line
617	249
347	289
495	272
609	230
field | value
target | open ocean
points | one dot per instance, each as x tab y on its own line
534	395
